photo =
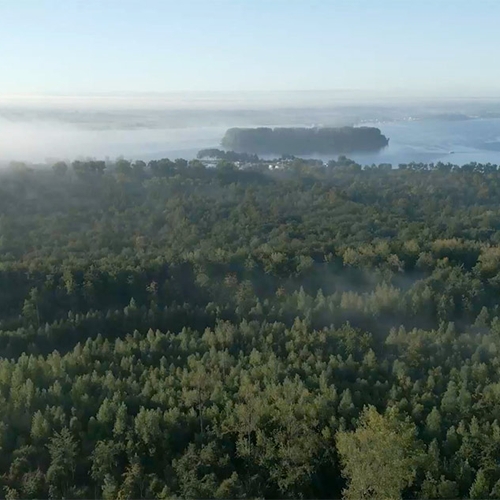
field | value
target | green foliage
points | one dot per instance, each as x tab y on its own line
293	141
480	488
169	330
379	458
63	457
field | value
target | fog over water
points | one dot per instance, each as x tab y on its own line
40	129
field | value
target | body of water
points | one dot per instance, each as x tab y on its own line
427	141
45	133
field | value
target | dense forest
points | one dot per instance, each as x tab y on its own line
304	141
173	331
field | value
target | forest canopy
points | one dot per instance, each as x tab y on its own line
174	331
304	141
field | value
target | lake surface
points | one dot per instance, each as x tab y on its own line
433	140
40	133
426	141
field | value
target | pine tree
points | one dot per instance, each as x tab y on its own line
433	423
40	427
480	487
63	456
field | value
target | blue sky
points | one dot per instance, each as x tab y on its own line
93	46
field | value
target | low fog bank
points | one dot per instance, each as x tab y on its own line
238	100
39	140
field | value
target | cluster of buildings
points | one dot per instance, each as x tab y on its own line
280	164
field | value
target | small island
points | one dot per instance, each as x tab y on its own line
299	141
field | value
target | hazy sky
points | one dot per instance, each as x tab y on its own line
92	46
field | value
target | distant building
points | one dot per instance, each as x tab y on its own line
209	163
